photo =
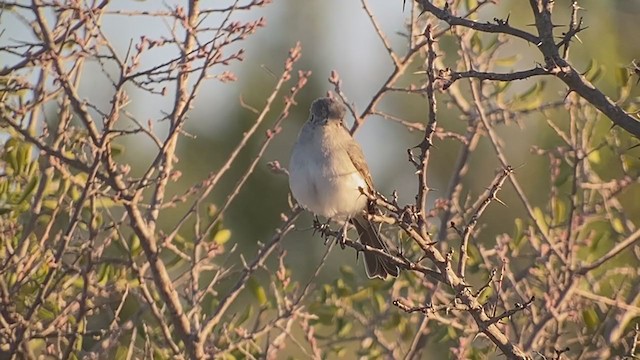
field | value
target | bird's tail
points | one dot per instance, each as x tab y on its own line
376	266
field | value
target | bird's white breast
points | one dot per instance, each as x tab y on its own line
322	177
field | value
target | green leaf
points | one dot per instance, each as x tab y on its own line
381	302
121	352
344	327
104	202
246	314
451	332
394	321
134	245
65	185
104	274
624	86
341	288
50	203
10	154
361	295
533	90
591	318
226	356
32	167
209	304
507	61
559	210
347	272
174	261
222	236
31	185
257	290
530	98
470	4
212	210
617	225
51	186
325	315
45	314
540	218
630	164
13	278
518	234
594	157
485	293
116	149
4	187
563	176
75	193
500	87
594	71
78	344
340	351
600	235
622	76
476	42
24	157
475	257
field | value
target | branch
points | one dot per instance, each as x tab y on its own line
570	76
501	26
589	92
518	307
621	246
449	76
555	64
468	230
259	260
493	137
427	141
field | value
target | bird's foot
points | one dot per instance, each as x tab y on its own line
323	229
341	238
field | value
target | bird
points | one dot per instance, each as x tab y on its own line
327	171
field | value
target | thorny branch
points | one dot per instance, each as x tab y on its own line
67	240
555	64
483	117
94	243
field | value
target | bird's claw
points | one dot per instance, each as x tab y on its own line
326	233
341	238
323	229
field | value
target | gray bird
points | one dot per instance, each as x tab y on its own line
326	170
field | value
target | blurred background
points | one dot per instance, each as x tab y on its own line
338	35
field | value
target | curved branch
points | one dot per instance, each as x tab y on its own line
555	64
501	26
570	76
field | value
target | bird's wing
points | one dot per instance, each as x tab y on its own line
357	159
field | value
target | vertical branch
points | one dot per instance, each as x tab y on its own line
576	145
578	154
468	230
145	227
161	277
178	115
495	142
427	141
472	138
65	80
227	301
574	27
